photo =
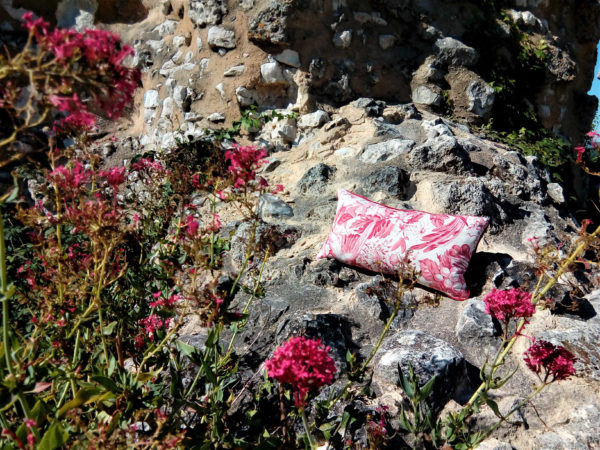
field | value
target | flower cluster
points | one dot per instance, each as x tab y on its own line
93	50
506	305
304	364
244	160
550	362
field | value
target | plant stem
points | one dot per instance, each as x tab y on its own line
309	437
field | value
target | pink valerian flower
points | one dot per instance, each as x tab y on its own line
114	176
153	323
580	152
304	364
70	181
191	226
161	301
377	430
506	305
244	160
550	362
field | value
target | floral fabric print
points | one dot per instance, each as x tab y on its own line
375	237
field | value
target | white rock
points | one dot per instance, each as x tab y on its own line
555	191
170	84
167	27
179	41
346	152
244	96
167	108
343	39
234	71
313	120
271	72
221	90
481	97
177	58
189	56
151	99
204	63
221	37
199	43
156	46
288	57
422	95
386	41
384	151
216	117
78	14
180	95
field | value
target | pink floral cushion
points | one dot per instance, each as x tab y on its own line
375	237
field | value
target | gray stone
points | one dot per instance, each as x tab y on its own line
474	322
77	14
442	154
468	196
428	356
207	12
369	18
581	431
182	96
221	37
270	205
151	99
481	98
376	299
314	180
234	71
386	41
424	95
289	58
384	151
271	73
520	180
221	90
372	107
555	192
389	179
453	52
179	41
167	108
245	97
579	336
313	120
342	39
216	117
166	28
494	444
157	46
267	236
340	90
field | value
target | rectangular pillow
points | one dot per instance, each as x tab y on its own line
375	237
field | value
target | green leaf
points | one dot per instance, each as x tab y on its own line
186	349
492	404
107	383
426	390
108	329
404	383
83	396
55	437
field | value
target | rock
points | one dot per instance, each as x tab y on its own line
289	58
441	154
346	152
372	18
151	99
268	236
494	444
467	196
206	12
77	14
244	96
271	73
221	37
269	27
519	180
333	331
270	205
182	97
428	356
474	323
580	335
555	192
481	98
451	51
340	90
234	71
166	28
376	298
221	90
342	39
313	120
314	180
167	108
389	179
373	108
425	95
216	117
384	151
579	431
386	41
